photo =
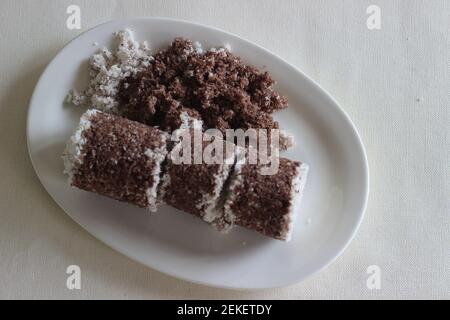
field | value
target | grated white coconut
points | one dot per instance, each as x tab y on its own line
107	69
198	47
187	122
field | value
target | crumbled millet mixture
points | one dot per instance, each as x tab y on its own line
213	85
225	92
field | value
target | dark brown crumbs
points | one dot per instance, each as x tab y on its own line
114	163
216	86
263	201
189	183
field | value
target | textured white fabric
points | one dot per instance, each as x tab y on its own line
393	82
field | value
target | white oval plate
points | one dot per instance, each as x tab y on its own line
179	244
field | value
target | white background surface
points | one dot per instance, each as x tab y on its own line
394	83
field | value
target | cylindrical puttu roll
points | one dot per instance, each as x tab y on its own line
123	160
195	185
117	158
267	204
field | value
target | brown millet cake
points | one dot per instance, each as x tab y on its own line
115	157
124	160
267	204
214	86
198	188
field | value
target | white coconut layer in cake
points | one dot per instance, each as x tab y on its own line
210	202
236	179
298	186
205	202
73	153
213	204
157	156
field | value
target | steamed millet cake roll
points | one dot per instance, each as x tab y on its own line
267	204
196	188
117	158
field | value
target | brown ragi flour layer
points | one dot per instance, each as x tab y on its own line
266	203
197	188
117	158
214	86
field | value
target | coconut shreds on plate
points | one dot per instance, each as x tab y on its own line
107	69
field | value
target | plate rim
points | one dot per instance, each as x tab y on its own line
361	150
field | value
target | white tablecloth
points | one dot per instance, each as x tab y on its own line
393	82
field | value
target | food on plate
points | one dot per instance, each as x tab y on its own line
213	85
267	204
117	158
131	162
127	145
197	186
